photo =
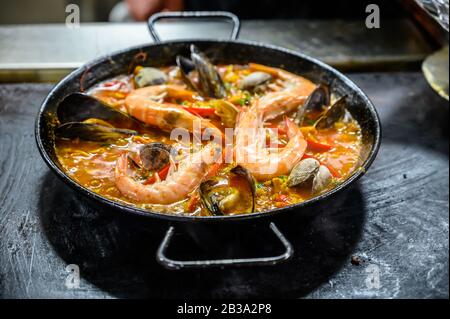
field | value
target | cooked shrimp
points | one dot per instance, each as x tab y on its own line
176	186
292	93
147	105
251	153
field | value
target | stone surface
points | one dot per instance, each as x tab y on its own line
388	238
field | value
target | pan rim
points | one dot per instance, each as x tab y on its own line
229	218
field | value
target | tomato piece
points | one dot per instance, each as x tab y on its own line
162	175
318	147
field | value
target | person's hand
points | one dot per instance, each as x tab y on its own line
141	10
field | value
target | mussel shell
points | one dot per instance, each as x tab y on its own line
226	111
241	171
154	156
213	197
334	114
317	101
147	76
78	107
211	84
303	172
91	132
186	66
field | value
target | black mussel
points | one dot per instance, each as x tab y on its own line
186	66
231	193
254	80
78	107
318	100
154	156
147	76
91	132
211	84
334	114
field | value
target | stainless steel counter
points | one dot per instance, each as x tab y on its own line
48	52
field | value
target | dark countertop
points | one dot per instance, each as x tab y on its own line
395	220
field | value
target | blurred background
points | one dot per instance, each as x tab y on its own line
53	11
34	38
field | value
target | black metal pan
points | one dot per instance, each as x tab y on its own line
220	51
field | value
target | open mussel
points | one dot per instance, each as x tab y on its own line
310	173
318	100
335	113
91	132
186	66
226	111
78	107
230	193
210	83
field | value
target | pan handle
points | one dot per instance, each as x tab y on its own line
260	261
195	15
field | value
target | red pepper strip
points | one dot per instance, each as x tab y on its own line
162	175
193	202
202	111
332	170
319	147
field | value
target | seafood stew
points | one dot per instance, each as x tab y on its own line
273	138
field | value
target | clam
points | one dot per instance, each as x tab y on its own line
231	193
154	156
254	80
149	76
91	132
78	107
310	173
322	179
210	82
303	172
335	113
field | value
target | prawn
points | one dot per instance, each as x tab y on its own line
251	153
147	105
175	187
294	92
